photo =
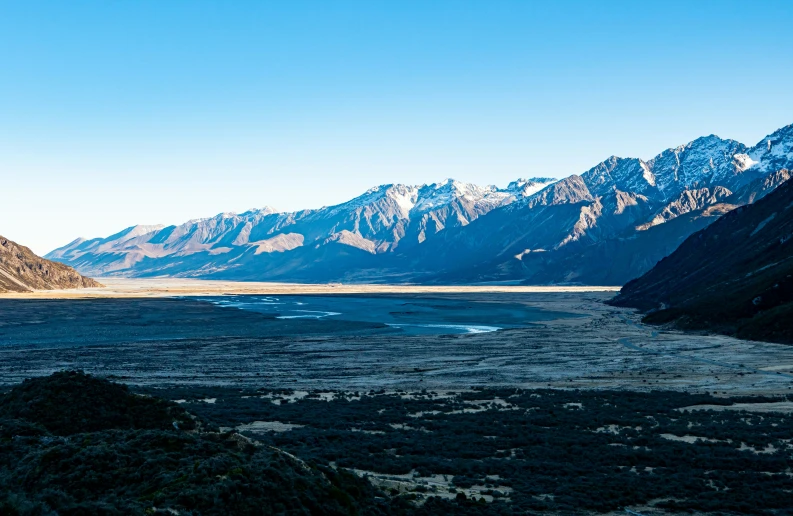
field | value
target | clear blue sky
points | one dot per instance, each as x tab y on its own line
114	113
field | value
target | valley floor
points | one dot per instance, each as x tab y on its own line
191	342
582	409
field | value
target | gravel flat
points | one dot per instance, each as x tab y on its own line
189	342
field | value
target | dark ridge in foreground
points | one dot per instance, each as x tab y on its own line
73	402
733	277
71	444
21	270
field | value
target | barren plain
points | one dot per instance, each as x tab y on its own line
129	331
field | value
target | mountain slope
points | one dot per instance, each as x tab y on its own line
735	276
21	271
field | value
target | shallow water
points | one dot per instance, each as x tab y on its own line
409	316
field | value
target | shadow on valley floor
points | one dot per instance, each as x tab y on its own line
83	322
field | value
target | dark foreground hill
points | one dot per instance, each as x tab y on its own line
21	270
71	444
735	276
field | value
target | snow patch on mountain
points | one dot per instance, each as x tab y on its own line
529	187
775	151
744	161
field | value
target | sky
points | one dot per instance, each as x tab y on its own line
117	113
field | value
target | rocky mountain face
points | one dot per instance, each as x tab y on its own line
608	225
735	276
22	271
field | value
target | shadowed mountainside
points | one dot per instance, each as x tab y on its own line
21	270
735	276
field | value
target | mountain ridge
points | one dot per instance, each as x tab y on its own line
540	230
596	217
381	218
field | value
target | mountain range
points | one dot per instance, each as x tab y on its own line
735	276
22	271
608	225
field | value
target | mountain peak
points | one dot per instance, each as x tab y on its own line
775	151
616	173
266	210
134	232
528	187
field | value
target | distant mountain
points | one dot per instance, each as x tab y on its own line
22	271
608	225
259	243
735	276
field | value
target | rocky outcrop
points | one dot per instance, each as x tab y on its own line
22	271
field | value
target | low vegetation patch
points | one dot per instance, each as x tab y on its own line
511	451
71	444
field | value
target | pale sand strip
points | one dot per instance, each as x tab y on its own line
167	287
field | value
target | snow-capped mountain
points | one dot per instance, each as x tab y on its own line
616	220
379	221
607	225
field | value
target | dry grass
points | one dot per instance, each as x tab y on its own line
166	287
